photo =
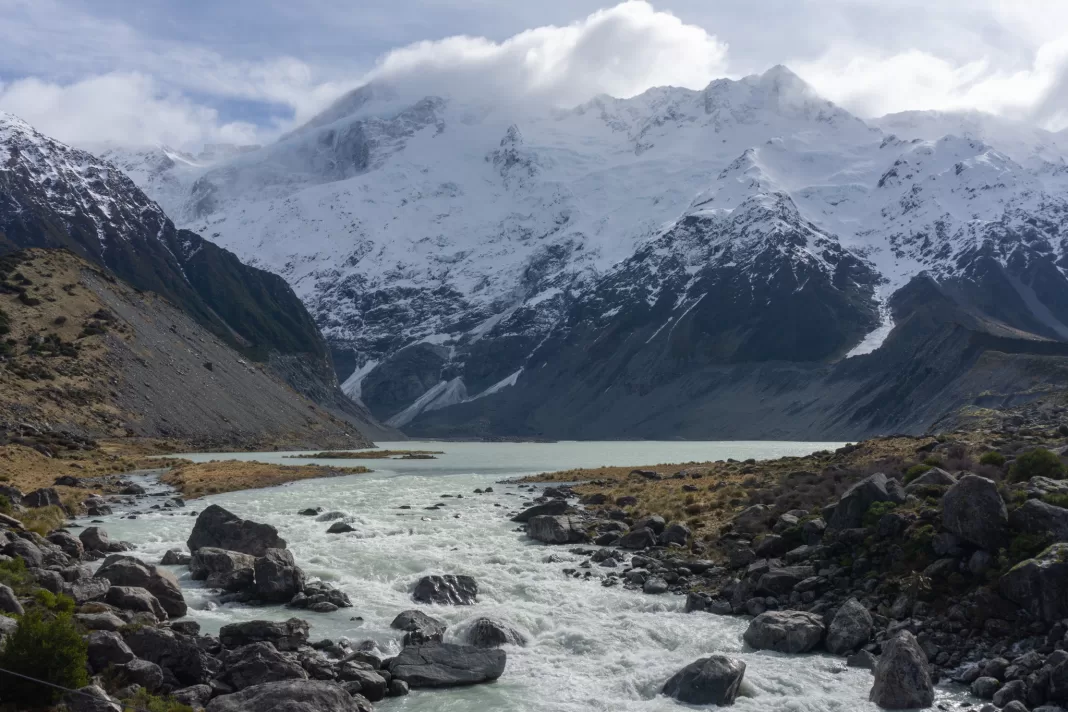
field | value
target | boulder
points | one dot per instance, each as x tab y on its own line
85	590
781	581
161	583
849	629
222	529
936	476
255	664
195	696
90	698
1040	585
555	530
289	696
106	648
973	510
714	680
675	534
902	678
447	665
100	621
66	541
96	539
637	539
490	633
9	602
228	570
754	519
368	683
419	627
319	593
1036	517
849	511
552	508
44	497
176	557
27	551
278	578
785	631
448	589
97	508
283	635
176	653
655	522
136	599
142	672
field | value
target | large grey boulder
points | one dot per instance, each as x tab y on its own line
106	648
555	530
289	696
86	590
785	631
492	633
44	497
223	529
902	677
849	511
754	519
1036	517
447	665
283	635
255	664
448	589
96	539
551	508
66	541
638	538
100	621
713	680
136	600
228	570
176	653
973	510
91	698
936	476
419	628
849	629
127	571
142	672
9	602
1040	585
278	578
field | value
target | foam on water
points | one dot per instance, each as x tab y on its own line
591	648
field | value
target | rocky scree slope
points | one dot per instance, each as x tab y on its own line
83	352
56	196
747	259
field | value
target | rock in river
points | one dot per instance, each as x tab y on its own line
555	530
127	571
419	628
284	635
902	678
551	508
447	665
850	628
278	579
785	631
709	681
490	633
225	530
449	589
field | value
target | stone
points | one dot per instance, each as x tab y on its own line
491	633
89	589
9	602
446	590
655	522
555	530
902	677
973	510
398	688
637	539
161	583
142	672
419	627
447	665
1036	517
675	534
44	497
754	519
936	477
1040	585
222	529
228	570
255	664
178	654
96	539
780	581
552	508
176	557
654	585
849	629
136	599
714	680
785	631
100	621
106	648
283	635
194	696
849	511
290	696
340	528
278	578
90	698
985	687
1013	691
27	551
66	541
371	684
862	659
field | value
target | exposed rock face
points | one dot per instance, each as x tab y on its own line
714	680
902	678
71	546
1036	517
142	672
638	539
136	599
222	529
785	631
490	633
9	603
87	589
973	510
107	648
96	539
448	589
288	696
286	635
161	583
257	663
552	508
446	665
44	497
419	627
849	512
555	530
753	519
278	578
176	653
850	628
228	570
1040	584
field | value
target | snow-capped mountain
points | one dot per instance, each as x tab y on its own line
471	263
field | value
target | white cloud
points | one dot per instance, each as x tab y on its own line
620	51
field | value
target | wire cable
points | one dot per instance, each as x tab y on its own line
123	705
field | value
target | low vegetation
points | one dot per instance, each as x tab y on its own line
46	645
197	479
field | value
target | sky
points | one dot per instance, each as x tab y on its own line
190	72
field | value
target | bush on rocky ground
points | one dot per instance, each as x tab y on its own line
47	647
147	702
1039	462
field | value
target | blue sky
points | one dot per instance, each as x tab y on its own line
191	71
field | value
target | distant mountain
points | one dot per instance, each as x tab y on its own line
56	196
745	260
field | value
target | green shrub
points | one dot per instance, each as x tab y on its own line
915	471
875	513
49	649
1037	463
13	574
152	703
992	457
933	461
1026	546
57	603
5	505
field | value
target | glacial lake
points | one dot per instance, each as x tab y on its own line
590	647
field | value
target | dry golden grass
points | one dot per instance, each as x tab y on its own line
27	469
204	478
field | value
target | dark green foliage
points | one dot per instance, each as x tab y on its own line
992	457
1025	546
152	703
13	573
1057	500
919	539
933	461
55	602
29	301
875	513
45	647
915	471
1037	463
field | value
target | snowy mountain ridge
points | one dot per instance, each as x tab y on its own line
443	247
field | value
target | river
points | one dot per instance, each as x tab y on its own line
590	647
